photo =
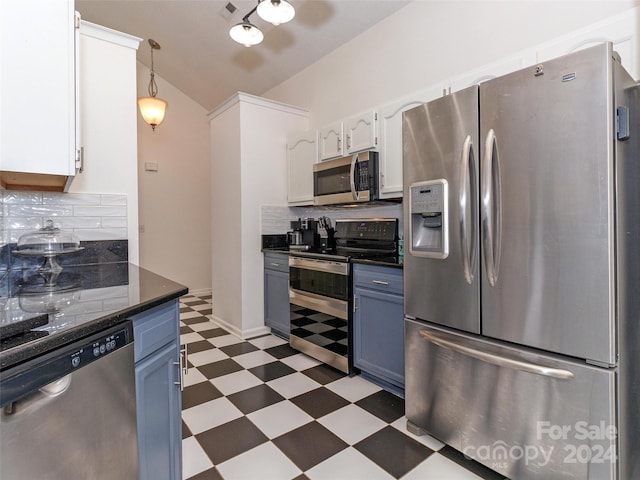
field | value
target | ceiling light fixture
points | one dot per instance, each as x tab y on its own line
246	32
152	108
272	11
276	11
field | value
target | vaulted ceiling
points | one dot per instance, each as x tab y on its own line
198	57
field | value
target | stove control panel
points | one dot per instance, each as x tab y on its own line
367	229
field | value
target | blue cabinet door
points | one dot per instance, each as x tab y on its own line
276	293
378	325
159	427
379	335
158	396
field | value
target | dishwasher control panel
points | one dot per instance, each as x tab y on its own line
98	348
54	365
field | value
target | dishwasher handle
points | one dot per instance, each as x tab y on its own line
37	399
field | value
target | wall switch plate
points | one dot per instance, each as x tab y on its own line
150	166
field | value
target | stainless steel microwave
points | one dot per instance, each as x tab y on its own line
351	179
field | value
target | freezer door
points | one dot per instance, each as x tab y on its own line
441	171
527	416
547	209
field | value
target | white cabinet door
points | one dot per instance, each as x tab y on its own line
390	148
492	70
38	91
621	30
361	132
302	153
330	141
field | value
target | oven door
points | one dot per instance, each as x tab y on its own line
319	303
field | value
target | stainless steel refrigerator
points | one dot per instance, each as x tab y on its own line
522	271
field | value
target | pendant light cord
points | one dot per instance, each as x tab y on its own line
153	86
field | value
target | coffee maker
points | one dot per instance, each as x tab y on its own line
308	228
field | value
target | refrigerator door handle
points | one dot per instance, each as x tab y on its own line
491	224
487	357
467	197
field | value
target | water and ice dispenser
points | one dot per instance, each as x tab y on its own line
429	219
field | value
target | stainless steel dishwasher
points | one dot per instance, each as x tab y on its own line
71	413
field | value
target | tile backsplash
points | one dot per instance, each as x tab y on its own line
276	219
90	216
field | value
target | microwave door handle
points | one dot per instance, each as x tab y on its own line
352	179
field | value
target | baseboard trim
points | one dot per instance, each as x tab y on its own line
242	334
201	292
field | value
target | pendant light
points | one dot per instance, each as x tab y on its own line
276	11
152	108
272	11
246	33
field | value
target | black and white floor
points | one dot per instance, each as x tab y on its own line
258	409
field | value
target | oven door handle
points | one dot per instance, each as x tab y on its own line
338	268
330	306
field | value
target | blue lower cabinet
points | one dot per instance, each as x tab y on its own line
158	393
276	293
378	325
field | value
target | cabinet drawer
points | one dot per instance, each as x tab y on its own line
387	279
276	261
154	328
470	392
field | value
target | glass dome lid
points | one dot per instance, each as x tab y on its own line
48	240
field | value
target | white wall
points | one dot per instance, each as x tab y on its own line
248	156
264	130
175	200
226	231
426	42
108	120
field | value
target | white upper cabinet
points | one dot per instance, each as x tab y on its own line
354	134
390	149
492	70
38	93
621	30
330	141
302	153
361	132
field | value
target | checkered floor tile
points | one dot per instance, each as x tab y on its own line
259	409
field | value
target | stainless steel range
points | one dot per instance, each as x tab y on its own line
320	289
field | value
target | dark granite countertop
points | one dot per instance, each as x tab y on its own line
276	250
92	298
394	262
